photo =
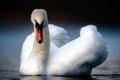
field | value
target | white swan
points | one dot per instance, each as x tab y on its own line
36	46
79	56
72	59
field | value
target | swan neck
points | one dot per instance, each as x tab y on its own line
46	40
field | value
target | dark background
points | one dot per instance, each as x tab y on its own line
88	11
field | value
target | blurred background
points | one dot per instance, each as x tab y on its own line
15	25
100	11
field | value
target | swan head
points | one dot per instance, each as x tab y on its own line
38	15
39	20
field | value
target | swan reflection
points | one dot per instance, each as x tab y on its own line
32	78
53	78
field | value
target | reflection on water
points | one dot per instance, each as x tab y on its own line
13	75
32	78
51	78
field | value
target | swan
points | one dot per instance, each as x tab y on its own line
35	48
43	54
79	56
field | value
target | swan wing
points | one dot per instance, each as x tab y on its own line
58	35
80	55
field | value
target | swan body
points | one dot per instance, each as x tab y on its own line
35	65
46	51
79	56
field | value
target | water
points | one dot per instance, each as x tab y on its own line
13	35
12	75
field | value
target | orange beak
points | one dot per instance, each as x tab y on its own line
39	32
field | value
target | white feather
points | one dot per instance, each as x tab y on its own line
58	35
80	55
75	58
55	42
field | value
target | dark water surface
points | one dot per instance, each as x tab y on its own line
12	37
13	75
